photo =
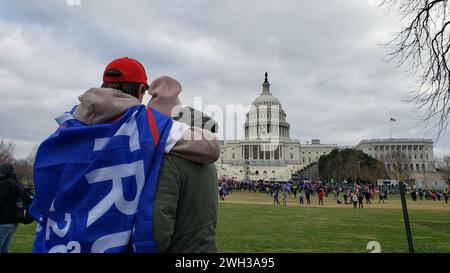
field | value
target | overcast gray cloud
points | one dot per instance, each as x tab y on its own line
324	59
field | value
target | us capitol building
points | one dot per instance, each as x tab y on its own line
269	153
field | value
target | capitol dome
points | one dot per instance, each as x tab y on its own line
266	118
266	100
266	97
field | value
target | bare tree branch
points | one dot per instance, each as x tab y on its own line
423	47
6	151
443	165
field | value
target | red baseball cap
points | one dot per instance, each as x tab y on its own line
131	70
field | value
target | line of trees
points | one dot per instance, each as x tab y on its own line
401	164
351	164
399	171
443	165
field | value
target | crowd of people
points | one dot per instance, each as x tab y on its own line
356	194
419	194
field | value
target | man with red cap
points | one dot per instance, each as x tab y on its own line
124	86
110	138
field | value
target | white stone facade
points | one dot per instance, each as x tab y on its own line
416	155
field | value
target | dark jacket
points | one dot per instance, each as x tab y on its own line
9	194
185	211
186	200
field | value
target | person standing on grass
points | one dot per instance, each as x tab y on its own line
421	194
368	196
284	198
414	195
183	185
9	195
222	193
345	197
381	197
321	195
275	198
308	196
360	200
355	200
301	196
446	193
433	196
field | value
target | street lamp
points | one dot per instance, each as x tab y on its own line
359	162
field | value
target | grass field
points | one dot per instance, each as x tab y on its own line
248	222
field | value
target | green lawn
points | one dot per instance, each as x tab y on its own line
258	226
265	228
23	239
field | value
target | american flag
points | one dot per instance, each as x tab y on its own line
393	119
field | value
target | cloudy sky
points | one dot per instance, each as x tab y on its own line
324	58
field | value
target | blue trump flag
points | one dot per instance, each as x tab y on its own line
95	185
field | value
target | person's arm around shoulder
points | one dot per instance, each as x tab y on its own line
198	145
192	143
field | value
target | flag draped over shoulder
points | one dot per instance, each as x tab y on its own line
95	185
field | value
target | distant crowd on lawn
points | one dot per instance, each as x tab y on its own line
356	194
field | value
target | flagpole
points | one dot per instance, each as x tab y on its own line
390	127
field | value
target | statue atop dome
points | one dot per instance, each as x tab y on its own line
266	85
266	98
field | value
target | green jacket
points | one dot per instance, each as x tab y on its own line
185	211
186	200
